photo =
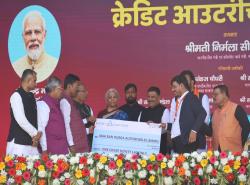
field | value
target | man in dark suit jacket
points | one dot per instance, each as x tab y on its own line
188	119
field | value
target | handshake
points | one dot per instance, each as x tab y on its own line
36	138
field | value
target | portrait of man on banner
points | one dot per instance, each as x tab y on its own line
37	56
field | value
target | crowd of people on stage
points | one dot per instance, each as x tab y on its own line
61	122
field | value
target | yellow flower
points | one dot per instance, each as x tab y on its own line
152	157
227	169
78	174
151	179
103	159
129	182
163	165
2	179
119	163
2	165
143	163
7	158
41	168
237	164
209	154
204	162
55	167
23	166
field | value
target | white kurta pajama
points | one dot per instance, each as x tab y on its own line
13	148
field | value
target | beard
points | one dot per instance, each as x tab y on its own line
131	100
34	54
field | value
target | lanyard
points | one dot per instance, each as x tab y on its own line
177	107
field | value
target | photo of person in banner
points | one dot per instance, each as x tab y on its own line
36	55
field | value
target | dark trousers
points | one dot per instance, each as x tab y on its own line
165	147
90	140
202	142
181	148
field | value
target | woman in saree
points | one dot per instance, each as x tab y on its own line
112	110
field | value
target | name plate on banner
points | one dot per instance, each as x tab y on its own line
126	137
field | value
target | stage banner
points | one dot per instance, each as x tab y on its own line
110	43
126	137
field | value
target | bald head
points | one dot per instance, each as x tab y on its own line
26	74
28	80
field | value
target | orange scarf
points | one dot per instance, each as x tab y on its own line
196	91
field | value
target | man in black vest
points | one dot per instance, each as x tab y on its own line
132	108
188	117
156	113
23	135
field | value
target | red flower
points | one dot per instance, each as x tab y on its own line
134	156
18	179
197	181
231	163
230	177
127	166
111	180
244	161
85	172
150	167
214	172
178	163
134	166
97	157
60	169
159	157
12	172
170	172
21	159
143	182
26	176
194	172
60	161
168	156
55	174
45	157
37	163
198	166
223	155
67	182
112	165
120	156
212	159
204	181
83	160
156	167
10	163
49	164
242	170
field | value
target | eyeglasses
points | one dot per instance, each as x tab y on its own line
59	88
